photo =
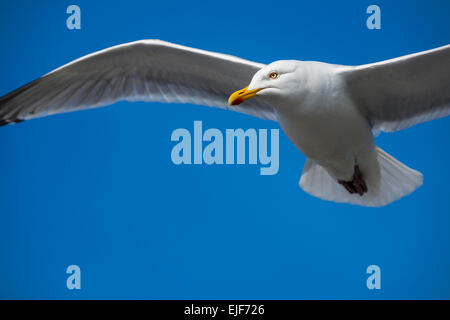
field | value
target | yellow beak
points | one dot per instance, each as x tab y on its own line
241	95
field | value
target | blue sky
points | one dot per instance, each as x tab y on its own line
98	189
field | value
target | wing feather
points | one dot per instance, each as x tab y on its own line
147	70
399	93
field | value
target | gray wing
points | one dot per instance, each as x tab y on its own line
147	70
399	93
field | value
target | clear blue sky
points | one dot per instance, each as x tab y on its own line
98	189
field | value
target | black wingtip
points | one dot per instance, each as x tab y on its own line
8	98
4	122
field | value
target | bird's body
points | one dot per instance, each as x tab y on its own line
324	124
328	111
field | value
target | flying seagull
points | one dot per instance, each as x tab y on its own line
330	112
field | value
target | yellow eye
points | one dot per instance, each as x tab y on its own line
273	75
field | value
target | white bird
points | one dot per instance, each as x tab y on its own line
328	111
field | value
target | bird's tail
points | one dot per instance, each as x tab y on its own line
395	181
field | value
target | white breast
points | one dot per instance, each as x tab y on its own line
325	125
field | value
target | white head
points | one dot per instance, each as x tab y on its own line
276	81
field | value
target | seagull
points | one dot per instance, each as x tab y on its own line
331	113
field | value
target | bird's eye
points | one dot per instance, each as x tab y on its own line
273	75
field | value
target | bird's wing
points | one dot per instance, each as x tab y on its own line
147	70
399	93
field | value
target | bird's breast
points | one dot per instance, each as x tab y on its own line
325	129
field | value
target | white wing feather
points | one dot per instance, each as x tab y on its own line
147	70
399	93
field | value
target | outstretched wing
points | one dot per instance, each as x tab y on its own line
147	70
399	93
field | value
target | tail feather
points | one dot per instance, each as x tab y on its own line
396	181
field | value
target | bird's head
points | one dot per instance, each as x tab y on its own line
276	81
